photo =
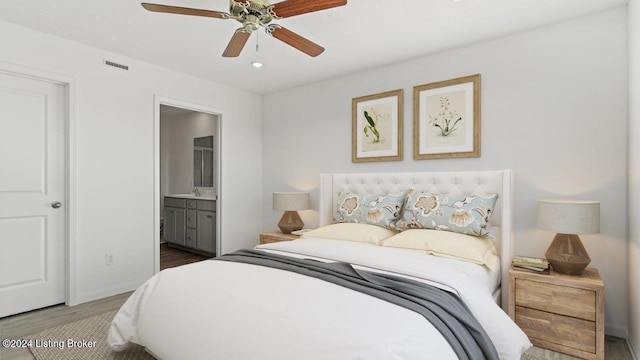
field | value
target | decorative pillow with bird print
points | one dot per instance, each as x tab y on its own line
380	210
467	215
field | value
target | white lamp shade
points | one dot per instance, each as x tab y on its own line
288	201
569	216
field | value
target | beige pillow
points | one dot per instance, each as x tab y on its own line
478	250
352	232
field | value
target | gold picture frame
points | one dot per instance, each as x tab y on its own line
376	127
446	119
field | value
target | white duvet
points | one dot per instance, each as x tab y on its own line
233	311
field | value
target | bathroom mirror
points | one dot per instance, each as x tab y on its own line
203	161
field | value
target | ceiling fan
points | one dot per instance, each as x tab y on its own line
255	13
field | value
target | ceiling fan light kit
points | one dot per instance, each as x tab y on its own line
253	14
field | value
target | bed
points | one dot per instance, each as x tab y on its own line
237	308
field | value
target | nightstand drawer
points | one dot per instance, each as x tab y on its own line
545	328
563	300
276	236
269	240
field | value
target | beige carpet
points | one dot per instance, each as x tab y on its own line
89	342
529	356
53	343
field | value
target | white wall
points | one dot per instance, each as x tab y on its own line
114	127
554	109
178	149
165	156
634	176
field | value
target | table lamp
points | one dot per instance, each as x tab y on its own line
568	218
290	203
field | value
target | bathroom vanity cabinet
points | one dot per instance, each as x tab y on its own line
190	223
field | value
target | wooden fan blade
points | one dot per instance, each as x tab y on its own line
237	43
184	11
287	36
296	7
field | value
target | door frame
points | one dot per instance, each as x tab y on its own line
70	240
217	144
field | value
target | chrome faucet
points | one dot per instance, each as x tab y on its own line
196	191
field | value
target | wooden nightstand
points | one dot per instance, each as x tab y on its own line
563	313
275	236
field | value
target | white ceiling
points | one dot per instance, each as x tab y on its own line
361	35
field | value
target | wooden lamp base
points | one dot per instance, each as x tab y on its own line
567	255
290	221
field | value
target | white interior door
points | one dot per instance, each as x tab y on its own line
32	194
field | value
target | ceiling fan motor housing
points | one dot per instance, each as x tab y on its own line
251	22
251	13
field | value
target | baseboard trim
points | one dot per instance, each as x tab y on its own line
616	331
632	350
109	292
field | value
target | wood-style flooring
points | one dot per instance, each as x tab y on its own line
172	257
21	325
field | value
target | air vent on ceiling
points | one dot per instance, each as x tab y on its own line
116	65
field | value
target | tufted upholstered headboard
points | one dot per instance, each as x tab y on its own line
454	184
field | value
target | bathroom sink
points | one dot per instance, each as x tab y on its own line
192	195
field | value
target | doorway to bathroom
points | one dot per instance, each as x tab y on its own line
187	181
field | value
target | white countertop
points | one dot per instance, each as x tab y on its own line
191	196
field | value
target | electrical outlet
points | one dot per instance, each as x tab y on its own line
110	259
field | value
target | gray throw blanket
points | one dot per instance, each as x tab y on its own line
448	314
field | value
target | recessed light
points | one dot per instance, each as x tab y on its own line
256	64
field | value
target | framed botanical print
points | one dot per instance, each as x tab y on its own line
376	127
446	119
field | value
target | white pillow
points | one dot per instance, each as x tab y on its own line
478	250
352	232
